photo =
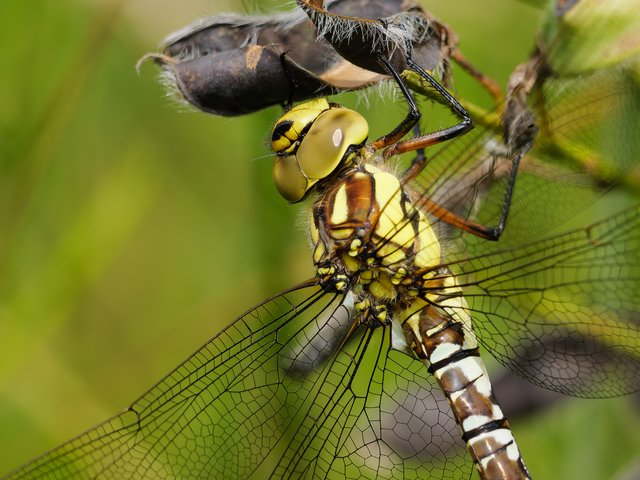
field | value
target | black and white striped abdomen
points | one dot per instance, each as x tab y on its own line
441	333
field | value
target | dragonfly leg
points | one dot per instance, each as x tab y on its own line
412	118
419	162
421	156
434	137
478	229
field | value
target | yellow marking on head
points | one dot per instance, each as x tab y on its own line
289	126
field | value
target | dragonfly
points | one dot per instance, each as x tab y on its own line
318	381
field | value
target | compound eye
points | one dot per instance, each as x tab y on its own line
311	141
290	127
327	141
289	179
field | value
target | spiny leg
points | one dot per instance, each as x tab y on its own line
412	118
478	229
434	137
483	231
419	143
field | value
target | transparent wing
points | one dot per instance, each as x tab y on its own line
374	412
216	397
272	396
584	147
583	101
564	313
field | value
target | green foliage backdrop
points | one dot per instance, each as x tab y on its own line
132	229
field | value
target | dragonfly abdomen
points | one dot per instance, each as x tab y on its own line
444	338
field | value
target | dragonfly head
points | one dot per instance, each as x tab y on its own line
312	140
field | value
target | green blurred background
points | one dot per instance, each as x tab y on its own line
133	228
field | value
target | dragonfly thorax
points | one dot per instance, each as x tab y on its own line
366	230
312	141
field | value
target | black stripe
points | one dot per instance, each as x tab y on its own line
459	355
281	130
487	427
